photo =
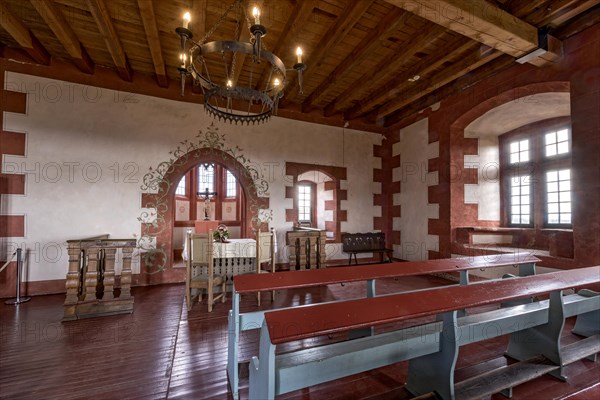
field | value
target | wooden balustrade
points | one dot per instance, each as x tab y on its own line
90	283
307	248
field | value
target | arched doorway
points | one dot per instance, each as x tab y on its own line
207	192
159	229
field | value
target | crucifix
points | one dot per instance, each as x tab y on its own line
206	195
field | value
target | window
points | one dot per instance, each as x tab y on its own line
520	200
558	195
557	142
304	203
230	185
536	174
180	191
519	151
206	178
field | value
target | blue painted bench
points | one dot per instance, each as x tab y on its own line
248	284
432	349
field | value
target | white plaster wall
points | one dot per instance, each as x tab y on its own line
89	148
413	196
486	193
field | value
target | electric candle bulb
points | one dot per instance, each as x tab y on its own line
186	19
256	15
229	83
299	54
183	59
276	82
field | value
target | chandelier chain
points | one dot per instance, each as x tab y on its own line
219	22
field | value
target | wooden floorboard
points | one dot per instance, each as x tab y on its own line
162	352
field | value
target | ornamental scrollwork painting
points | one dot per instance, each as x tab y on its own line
156	182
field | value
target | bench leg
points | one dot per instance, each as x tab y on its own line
233	340
435	372
543	339
358	333
262	369
527	269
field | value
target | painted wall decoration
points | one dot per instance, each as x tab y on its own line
160	182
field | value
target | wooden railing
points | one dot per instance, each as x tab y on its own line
306	248
91	278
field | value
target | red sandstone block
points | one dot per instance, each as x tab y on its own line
470	176
396	211
12	143
289	192
470	146
378	150
330	204
378	223
436	226
433	164
342	215
12	225
377	175
342	195
396	237
378	199
330	185
12	184
395	162
291	215
15	102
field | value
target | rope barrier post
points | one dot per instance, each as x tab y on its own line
18	299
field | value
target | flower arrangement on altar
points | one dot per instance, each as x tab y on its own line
221	234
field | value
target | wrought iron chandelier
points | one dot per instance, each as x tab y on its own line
212	66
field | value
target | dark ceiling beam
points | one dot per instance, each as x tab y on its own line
391	22
23	36
198	22
579	23
152	37
423	87
111	39
334	35
378	75
55	19
395	87
294	25
560	11
485	23
461	84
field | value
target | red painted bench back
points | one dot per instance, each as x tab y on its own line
299	279
321	319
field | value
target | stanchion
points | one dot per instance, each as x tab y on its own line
18	299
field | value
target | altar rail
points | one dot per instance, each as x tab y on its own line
306	248
91	278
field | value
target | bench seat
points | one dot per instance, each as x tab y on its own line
424	345
304	279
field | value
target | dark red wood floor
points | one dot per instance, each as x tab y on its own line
160	351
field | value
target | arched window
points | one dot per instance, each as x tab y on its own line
225	195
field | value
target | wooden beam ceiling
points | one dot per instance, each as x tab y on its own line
198	14
482	22
55	19
385	67
456	86
109	34
335	34
365	49
300	14
422	88
396	87
149	20
22	35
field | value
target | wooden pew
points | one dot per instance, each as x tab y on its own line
432	349
245	284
